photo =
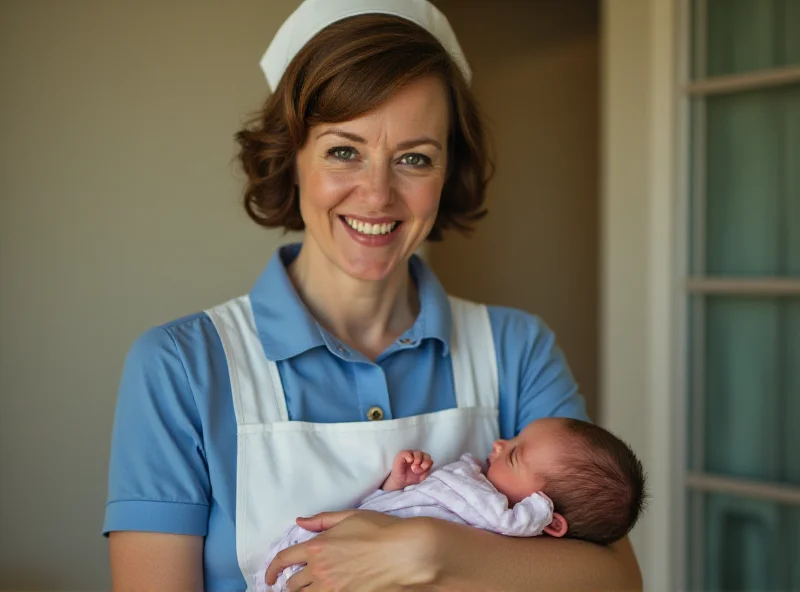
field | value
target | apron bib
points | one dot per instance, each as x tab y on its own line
287	469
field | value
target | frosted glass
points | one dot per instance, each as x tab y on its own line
752	192
747	544
752	388
747	35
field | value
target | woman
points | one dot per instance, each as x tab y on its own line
294	399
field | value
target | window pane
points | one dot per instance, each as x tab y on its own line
744	544
746	35
752	388
752	187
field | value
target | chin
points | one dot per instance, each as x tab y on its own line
376	270
370	264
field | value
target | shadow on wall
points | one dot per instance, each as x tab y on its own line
536	75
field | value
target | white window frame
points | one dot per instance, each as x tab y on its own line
639	251
700	284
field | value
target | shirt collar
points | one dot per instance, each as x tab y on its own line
434	320
286	328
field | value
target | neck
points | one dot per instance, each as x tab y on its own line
366	315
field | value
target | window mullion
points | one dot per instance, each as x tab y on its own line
744	286
774	492
744	82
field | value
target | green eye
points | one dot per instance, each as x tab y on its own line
416	160
342	153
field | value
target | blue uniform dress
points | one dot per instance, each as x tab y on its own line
173	452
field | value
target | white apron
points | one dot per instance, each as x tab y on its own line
287	469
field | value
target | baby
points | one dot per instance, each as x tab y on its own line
559	477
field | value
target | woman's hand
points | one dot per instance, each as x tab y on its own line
358	550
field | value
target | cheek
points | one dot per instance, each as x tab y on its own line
495	475
322	190
422	198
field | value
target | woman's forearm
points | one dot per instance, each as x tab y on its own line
472	559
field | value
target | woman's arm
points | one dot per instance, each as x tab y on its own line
159	486
369	551
467	558
153	561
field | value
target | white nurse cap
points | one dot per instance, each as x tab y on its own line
314	15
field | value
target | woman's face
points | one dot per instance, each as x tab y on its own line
370	187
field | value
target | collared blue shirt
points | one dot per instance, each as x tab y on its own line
173	450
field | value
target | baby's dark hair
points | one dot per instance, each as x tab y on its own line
600	485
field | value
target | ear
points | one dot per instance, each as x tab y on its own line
558	527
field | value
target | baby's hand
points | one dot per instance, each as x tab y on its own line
410	467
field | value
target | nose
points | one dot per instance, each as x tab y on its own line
498	446
378	185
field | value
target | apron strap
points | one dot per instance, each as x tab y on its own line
473	355
258	396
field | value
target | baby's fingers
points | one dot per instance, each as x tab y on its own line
427	462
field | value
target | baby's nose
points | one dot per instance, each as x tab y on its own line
498	446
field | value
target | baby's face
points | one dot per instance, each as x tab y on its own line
517	467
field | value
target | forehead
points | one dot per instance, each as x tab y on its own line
543	442
545	428
421	106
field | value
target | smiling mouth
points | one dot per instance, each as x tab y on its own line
369	229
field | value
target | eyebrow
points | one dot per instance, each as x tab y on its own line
419	142
343	134
401	146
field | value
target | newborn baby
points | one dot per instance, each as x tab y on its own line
559	477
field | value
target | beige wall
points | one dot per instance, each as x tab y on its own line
118	210
537	77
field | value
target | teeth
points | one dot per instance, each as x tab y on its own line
370	229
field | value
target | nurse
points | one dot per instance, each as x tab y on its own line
292	401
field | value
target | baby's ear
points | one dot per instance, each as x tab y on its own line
558	527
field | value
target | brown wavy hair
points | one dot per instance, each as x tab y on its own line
346	70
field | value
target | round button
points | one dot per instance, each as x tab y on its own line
375	414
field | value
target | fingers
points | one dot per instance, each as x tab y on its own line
323	521
295	555
427	462
299	580
410	468
422	462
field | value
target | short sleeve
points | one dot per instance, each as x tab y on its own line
535	379
158	477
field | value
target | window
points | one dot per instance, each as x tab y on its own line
743	296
